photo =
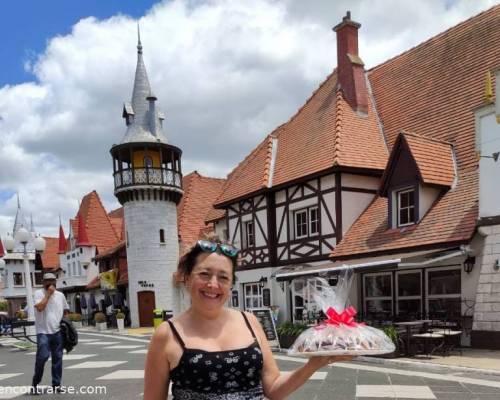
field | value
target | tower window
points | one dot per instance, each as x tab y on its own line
148	162
162	236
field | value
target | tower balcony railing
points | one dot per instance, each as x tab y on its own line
130	177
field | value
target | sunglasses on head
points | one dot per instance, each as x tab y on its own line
211	247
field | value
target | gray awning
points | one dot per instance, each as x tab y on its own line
409	259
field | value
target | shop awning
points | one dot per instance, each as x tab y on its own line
410	259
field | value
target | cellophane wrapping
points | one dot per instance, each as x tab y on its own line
339	334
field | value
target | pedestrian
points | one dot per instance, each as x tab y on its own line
50	307
211	352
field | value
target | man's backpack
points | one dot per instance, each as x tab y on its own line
69	334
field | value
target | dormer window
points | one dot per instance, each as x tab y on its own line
406	207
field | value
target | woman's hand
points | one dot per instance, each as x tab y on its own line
318	362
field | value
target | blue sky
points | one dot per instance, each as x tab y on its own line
26	25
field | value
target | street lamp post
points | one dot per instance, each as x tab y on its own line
23	237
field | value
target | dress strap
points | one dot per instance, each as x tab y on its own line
248	324
176	334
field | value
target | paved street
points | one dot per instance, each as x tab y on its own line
116	363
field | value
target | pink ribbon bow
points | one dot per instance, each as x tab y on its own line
346	317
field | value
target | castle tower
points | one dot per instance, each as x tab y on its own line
148	183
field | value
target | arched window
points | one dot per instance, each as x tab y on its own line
162	236
148	162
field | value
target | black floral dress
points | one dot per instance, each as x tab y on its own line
218	375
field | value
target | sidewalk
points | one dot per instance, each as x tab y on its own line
485	361
128	331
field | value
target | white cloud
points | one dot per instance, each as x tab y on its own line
226	73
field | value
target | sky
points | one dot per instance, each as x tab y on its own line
226	73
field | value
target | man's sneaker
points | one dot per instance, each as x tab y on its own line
56	389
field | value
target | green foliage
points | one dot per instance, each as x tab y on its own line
75	317
99	317
4	306
291	329
391	332
120	315
21	314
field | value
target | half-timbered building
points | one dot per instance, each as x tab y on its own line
378	170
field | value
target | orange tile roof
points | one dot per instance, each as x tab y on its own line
199	194
50	256
100	230
324	133
369	234
214	214
433	159
432	89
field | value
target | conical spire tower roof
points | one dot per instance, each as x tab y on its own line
62	240
141	113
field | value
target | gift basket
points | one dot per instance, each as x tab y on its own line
339	333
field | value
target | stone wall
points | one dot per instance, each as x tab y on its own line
486	324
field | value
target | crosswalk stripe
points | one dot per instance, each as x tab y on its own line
96	364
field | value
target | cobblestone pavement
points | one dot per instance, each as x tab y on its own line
116	364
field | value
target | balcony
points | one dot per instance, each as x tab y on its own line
157	177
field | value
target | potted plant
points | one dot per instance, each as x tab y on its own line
288	333
21	314
392	333
120	321
100	321
76	319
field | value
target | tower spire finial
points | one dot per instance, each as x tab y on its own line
139	44
18	201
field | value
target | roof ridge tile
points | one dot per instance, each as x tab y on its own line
338	128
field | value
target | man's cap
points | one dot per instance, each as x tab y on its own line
48	276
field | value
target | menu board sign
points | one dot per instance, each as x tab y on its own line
265	318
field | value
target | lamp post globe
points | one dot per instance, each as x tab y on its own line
22	236
39	243
8	242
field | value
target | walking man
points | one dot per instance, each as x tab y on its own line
50	307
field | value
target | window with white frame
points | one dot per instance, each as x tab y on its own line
378	295
406	207
37	278
409	293
300	224
444	292
249	235
313	221
18	278
304	306
253	295
306	222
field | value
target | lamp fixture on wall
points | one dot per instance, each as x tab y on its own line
469	264
262	281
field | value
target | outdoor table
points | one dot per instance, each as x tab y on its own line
429	337
409	325
450	341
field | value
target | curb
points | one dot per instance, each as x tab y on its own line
426	365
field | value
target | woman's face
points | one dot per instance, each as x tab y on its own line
210	280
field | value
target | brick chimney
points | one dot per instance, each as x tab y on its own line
350	67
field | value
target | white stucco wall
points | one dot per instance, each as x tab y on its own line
488	142
148	259
353	204
427	197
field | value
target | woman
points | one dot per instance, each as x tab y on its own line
211	352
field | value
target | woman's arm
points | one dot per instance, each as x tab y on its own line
278	385
156	373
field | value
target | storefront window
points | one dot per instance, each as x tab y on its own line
378	296
409	291
444	288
